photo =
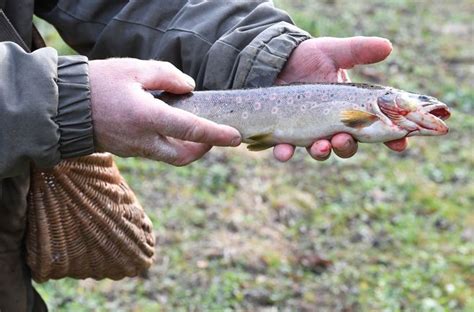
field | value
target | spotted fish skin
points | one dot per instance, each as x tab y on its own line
295	114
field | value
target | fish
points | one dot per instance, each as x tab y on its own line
300	114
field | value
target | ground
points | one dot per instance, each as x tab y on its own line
382	231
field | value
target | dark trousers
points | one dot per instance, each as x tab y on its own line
16	292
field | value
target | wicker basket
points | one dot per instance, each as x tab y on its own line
84	221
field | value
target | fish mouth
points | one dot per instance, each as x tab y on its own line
439	110
430	119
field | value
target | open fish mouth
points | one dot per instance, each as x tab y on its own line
430	119
439	110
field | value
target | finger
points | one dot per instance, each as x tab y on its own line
188	151
172	151
398	145
348	52
320	150
283	152
344	145
177	123
343	76
157	75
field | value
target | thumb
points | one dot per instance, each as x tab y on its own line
348	52
397	145
158	75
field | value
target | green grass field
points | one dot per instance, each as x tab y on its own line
381	231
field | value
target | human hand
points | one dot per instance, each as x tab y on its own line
326	60
128	121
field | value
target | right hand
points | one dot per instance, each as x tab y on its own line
128	121
326	59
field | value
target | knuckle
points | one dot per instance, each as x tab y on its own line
141	65
167	66
196	132
146	149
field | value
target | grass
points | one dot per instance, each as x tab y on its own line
379	232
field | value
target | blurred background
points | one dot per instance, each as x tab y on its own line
381	231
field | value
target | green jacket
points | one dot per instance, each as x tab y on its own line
45	100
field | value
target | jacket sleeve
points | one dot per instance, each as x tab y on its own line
44	108
222	44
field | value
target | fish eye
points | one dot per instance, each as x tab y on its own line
423	98
388	97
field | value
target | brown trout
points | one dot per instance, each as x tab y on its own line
299	114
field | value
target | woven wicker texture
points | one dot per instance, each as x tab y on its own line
84	221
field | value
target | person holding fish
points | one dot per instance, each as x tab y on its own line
57	107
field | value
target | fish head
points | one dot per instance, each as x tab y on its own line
417	114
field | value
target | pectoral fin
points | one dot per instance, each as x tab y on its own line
357	119
260	142
255	147
260	137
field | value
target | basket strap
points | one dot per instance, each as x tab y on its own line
9	33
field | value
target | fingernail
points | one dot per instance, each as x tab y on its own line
348	143
388	42
235	141
324	148
320	148
190	81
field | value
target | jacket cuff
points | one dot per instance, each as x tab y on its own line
74	109
263	59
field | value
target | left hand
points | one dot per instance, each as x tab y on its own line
326	60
